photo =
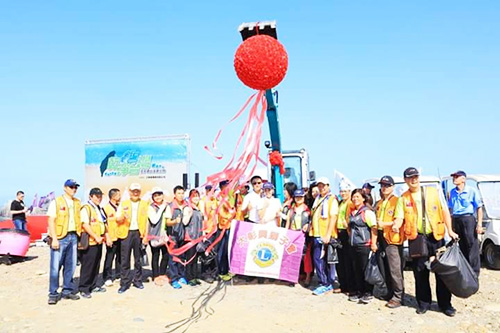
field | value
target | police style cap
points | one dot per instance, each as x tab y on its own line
387	180
459	173
71	182
95	191
411	172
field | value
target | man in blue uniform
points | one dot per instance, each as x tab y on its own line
464	201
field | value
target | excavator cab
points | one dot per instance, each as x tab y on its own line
248	30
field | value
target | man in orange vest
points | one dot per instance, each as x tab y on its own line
64	228
132	216
425	216
390	241
113	251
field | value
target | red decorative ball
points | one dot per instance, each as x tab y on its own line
261	62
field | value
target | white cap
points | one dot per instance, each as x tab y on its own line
156	190
135	186
323	180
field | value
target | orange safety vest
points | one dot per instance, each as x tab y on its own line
62	216
396	238
112	224
433	214
225	214
96	225
142	218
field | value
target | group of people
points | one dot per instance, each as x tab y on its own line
189	237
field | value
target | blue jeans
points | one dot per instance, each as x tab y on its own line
65	256
20	224
326	272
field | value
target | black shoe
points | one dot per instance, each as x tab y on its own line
53	300
123	289
99	290
73	297
422	310
85	295
450	312
138	285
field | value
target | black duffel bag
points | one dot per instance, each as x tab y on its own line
455	271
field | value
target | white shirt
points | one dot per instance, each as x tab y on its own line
253	199
273	207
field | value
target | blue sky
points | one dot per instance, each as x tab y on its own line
372	86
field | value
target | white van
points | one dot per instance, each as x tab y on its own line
489	189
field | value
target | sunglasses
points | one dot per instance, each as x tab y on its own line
73	187
256	183
385	185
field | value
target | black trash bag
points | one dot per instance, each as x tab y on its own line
372	272
455	272
144	256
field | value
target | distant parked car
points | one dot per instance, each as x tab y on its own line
489	189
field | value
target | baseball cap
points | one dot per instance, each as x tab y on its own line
411	172
268	186
323	180
208	188
156	190
71	182
135	186
459	173
368	185
95	191
224	183
299	193
387	180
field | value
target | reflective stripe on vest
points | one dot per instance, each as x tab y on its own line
433	214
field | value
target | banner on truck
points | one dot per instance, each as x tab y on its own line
265	250
154	161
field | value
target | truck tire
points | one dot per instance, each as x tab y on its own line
491	254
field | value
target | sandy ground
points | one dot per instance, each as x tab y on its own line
245	307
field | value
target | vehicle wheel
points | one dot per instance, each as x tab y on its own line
491	255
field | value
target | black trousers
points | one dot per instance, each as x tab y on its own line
466	228
89	271
360	260
128	245
159	267
192	266
112	253
422	279
345	266
383	263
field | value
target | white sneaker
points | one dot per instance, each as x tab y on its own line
108	283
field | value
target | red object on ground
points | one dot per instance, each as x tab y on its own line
261	62
37	225
275	158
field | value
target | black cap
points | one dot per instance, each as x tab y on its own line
411	172
223	183
95	191
459	173
368	185
387	180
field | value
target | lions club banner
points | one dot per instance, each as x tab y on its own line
265	250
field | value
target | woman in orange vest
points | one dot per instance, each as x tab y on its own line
361	221
93	220
389	240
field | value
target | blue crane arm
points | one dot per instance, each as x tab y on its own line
274	129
